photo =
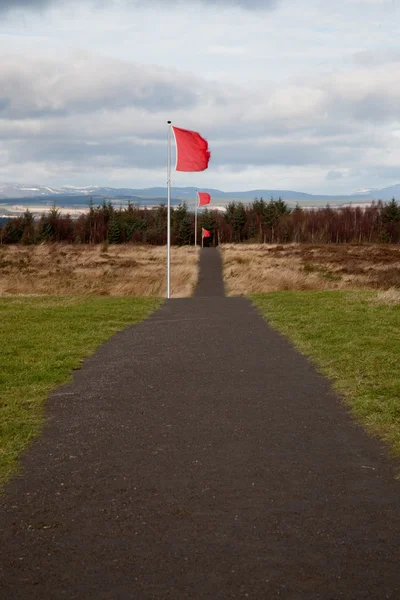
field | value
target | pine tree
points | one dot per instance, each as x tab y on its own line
114	230
391	212
230	212
28	236
270	214
13	230
181	223
239	220
281	207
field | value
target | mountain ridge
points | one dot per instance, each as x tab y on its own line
16	191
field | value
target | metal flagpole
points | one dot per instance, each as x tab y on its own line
169	215
202	238
195	220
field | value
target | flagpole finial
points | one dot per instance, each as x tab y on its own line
169	122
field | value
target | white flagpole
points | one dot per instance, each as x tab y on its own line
195	220
169	215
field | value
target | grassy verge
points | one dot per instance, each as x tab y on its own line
353	340
42	340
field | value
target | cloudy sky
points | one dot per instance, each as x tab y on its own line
291	94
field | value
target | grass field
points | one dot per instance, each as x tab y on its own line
251	269
354	339
42	340
116	270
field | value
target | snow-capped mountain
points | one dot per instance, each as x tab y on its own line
12	191
16	190
393	191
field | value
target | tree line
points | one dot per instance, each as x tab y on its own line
261	221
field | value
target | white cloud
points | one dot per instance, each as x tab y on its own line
297	93
221	50
34	5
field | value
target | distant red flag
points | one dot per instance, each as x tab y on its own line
206	233
204	198
192	152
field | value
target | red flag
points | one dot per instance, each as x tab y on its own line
192	152
206	233
204	198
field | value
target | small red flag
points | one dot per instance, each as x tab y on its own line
192	152
206	233
204	198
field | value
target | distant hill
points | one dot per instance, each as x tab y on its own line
14	197
74	203
387	193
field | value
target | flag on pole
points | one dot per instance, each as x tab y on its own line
192	152
206	233
204	198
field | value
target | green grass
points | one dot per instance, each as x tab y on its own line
353	341
42	340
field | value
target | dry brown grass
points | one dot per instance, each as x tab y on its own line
261	268
389	297
119	270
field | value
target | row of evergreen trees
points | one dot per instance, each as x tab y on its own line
261	221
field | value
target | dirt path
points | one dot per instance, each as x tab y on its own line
197	455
